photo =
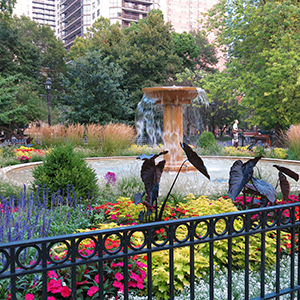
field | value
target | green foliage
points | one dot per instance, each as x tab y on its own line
206	140
6	8
186	48
92	90
29	53
63	167
261	40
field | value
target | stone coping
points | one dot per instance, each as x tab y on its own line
5	170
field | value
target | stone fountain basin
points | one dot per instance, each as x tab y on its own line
172	94
189	182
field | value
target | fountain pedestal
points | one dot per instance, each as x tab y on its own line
172	98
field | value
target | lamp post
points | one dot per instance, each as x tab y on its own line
48	85
213	106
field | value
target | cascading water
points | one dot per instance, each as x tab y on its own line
148	122
149	119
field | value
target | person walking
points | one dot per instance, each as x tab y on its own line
235	132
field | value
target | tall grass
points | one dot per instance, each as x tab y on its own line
93	133
115	138
75	134
293	141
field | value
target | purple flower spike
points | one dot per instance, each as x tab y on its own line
110	177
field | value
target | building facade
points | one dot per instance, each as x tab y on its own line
41	11
184	14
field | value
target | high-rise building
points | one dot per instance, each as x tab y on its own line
75	16
184	14
41	11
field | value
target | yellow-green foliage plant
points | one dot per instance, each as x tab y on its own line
293	141
201	206
115	138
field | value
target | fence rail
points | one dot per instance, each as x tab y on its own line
198	230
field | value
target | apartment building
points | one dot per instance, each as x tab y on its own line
41	11
184	14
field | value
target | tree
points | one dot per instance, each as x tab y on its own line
16	108
150	57
186	48
6	8
207	59
262	43
93	92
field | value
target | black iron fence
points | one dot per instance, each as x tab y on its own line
209	230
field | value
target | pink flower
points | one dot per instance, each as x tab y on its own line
65	291
29	297
114	217
119	276
141	265
92	291
97	278
119	264
140	285
134	276
132	284
54	286
119	285
51	298
81	283
52	274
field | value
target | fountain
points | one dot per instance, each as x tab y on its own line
173	98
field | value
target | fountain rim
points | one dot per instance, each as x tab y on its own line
5	170
172	94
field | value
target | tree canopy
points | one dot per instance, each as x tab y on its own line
92	90
261	39
148	51
29	53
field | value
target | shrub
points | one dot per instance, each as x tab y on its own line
208	143
63	167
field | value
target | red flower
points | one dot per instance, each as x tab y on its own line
29	297
65	291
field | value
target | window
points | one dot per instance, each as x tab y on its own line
93	16
98	2
94	5
98	12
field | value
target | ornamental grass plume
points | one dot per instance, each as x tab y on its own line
115	138
293	141
93	132
75	134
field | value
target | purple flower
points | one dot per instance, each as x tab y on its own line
110	177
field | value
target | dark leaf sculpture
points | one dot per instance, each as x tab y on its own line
263	188
240	174
287	171
194	159
284	185
151	174
235	179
